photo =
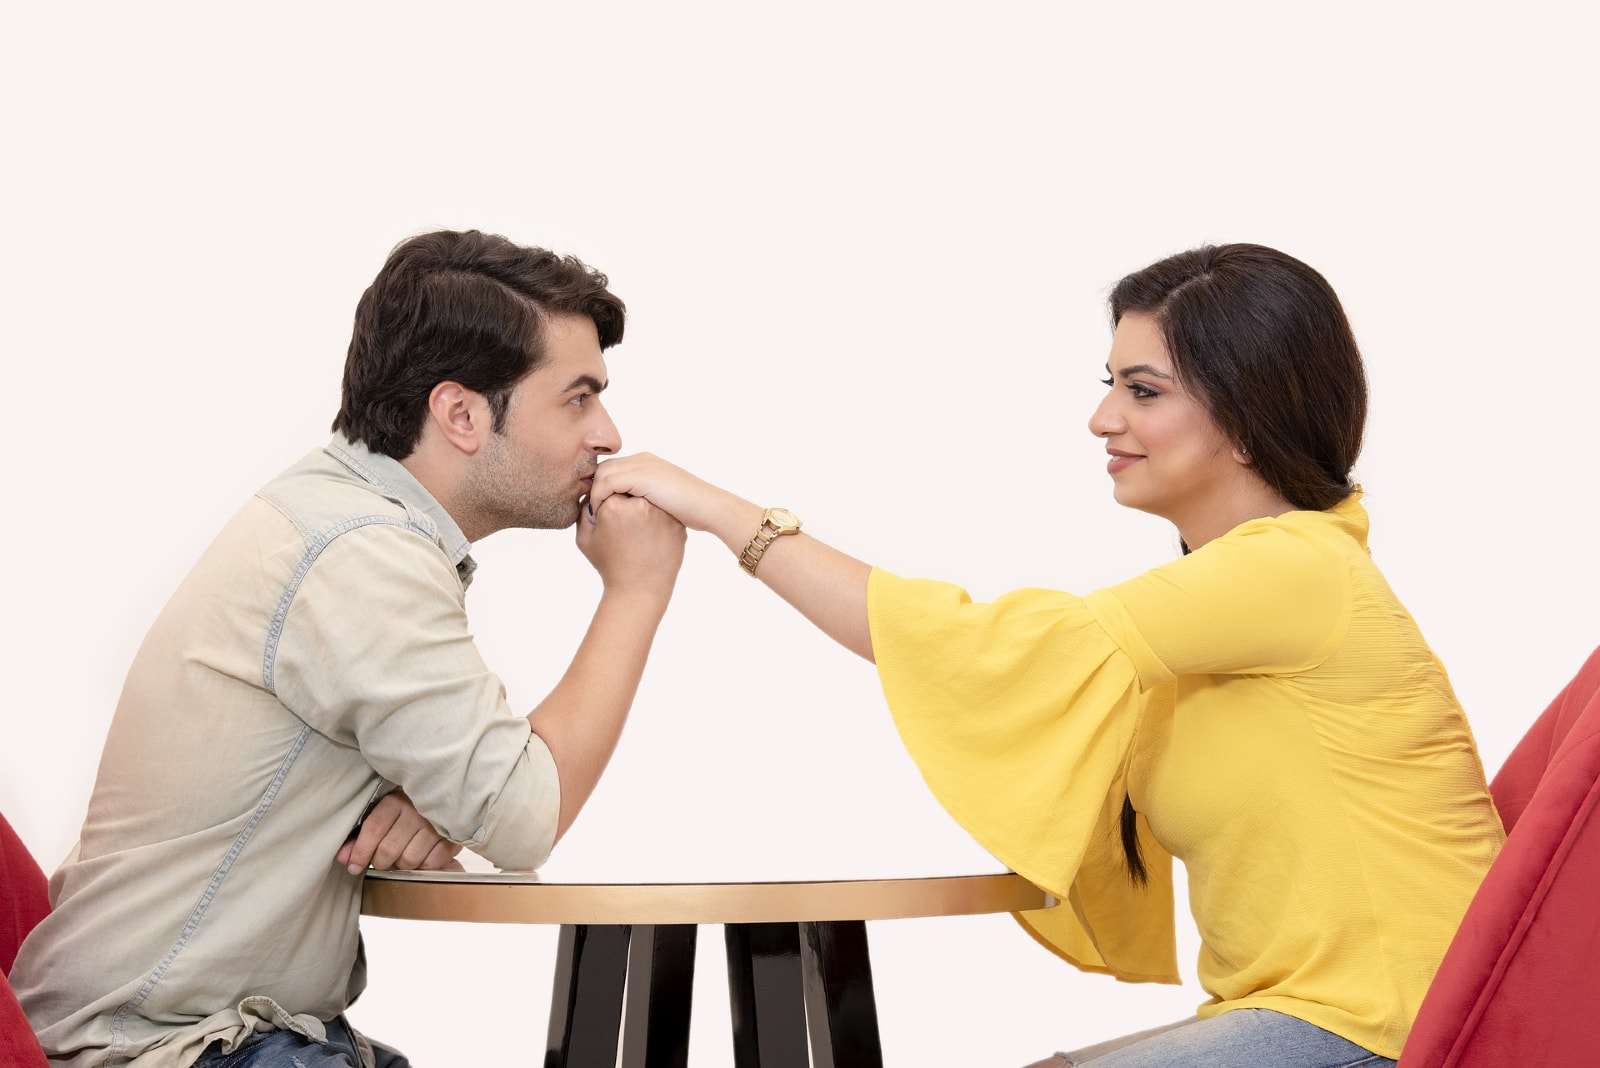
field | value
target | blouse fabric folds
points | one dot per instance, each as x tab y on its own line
1279	723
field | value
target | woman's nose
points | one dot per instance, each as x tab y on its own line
1105	420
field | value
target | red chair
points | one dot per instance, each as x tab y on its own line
24	901
1520	983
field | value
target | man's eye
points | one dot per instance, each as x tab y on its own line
579	399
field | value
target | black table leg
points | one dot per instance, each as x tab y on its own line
840	1006
766	995
660	988
586	1003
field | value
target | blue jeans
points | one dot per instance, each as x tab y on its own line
290	1049
1239	1038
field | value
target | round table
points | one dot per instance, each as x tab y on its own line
799	972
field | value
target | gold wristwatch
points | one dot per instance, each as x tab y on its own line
774	524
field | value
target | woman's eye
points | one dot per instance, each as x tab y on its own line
1108	381
1142	392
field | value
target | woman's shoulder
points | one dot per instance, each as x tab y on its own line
1299	538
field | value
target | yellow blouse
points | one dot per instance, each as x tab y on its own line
1281	727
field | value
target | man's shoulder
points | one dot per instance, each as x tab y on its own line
324	497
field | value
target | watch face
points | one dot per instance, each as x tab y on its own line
783	519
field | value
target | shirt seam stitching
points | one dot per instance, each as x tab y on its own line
156	974
316	546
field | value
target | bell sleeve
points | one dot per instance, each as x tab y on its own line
1021	715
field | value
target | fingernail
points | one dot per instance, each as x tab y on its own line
355	869
591	509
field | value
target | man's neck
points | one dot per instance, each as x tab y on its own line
440	479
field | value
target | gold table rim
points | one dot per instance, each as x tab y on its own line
492	898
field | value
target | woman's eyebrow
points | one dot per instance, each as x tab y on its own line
1140	369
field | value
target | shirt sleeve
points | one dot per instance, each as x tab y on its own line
374	651
1021	716
1264	599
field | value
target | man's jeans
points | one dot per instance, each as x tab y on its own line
290	1049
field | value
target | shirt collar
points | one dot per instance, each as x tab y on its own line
390	477
1351	516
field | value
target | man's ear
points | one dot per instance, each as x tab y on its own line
460	415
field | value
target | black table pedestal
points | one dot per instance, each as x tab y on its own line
800	993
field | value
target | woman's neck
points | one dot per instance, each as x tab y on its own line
1252	500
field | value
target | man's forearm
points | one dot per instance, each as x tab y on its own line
582	717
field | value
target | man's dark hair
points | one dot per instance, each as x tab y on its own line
458	306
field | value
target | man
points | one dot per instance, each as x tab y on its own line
318	657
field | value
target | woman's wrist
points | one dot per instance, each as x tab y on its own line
738	521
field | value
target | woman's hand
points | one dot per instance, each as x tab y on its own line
394	835
695	503
828	587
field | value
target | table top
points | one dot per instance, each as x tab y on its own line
522	897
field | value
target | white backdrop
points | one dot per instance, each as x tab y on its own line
865	249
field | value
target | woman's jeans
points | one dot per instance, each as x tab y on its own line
290	1049
1239	1038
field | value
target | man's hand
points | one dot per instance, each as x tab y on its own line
394	835
636	547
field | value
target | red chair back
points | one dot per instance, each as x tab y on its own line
1520	983
24	901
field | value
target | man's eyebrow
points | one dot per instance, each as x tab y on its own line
588	382
1140	369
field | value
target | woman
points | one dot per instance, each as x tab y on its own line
1263	707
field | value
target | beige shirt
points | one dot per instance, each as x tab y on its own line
317	655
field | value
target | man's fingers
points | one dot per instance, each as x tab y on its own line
356	854
415	855
395	835
441	857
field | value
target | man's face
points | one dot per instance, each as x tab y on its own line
536	470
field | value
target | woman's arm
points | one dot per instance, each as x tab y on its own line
828	587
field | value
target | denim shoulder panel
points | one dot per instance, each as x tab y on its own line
316	543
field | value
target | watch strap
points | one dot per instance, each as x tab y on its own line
768	532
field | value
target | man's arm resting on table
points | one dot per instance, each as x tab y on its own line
637	549
395	835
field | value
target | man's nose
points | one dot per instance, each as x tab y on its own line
603	438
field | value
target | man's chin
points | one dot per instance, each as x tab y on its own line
551	519
561	522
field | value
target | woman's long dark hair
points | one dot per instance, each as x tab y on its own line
1262	342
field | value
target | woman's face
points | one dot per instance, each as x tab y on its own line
1167	456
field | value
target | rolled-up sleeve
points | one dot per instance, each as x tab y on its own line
373	650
